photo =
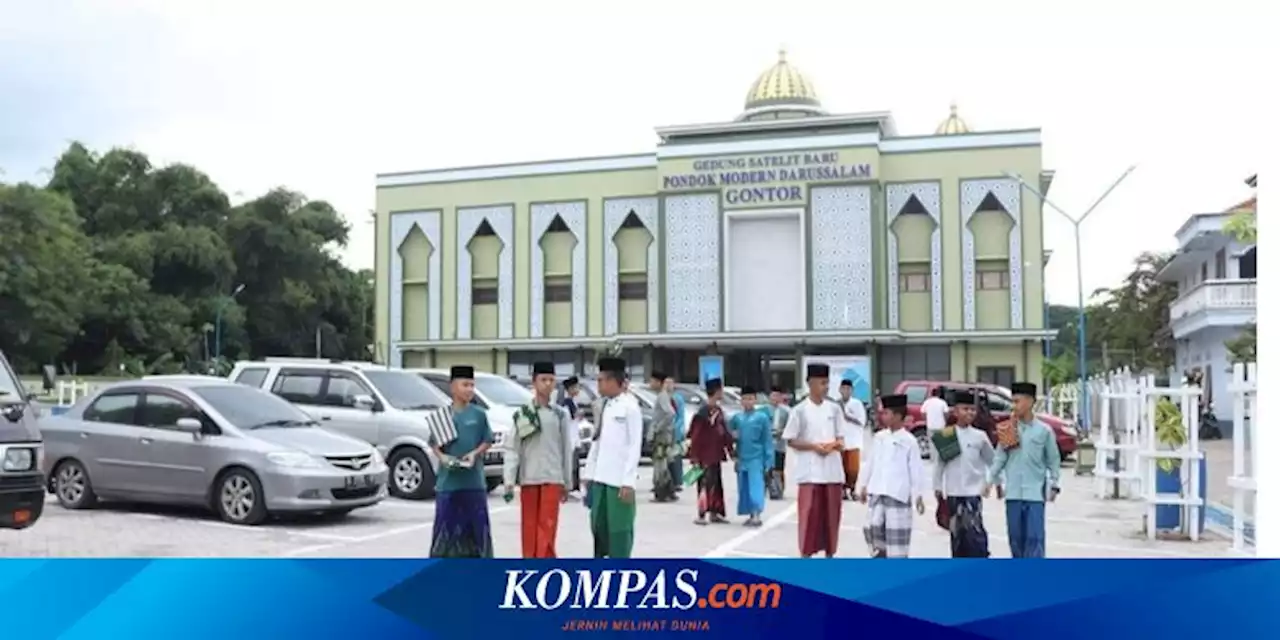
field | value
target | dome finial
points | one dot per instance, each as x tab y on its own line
781	91
954	124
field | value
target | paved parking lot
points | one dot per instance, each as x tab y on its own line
1079	526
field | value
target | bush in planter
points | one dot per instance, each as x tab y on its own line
1169	431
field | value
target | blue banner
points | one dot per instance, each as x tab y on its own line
710	368
776	599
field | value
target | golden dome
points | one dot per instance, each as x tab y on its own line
782	88
952	125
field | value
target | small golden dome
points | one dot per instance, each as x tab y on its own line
952	125
782	88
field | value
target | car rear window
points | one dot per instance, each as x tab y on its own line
916	393
252	376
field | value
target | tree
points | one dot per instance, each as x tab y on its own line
1243	225
117	263
45	275
1126	325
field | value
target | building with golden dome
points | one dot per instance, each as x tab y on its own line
783	232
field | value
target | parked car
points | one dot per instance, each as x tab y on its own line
242	452
384	407
21	451
992	399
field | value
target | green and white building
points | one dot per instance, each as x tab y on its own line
786	231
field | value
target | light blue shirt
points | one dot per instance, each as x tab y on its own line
679	421
1026	468
753	432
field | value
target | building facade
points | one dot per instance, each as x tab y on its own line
1217	297
787	231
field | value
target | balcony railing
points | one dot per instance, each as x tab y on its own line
1214	295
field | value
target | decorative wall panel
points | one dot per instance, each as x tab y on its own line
930	195
502	219
842	275
574	215
1009	193
401	224
615	212
692	225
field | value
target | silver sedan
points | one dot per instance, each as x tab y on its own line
242	452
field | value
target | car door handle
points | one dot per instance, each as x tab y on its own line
326	418
144	440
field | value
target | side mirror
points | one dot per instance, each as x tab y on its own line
364	402
189	425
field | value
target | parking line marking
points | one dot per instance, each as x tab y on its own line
776	521
748	554
316	548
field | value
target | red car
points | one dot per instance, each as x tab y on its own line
994	406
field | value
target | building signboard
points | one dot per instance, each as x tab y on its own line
778	178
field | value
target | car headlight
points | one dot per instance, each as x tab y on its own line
293	459
19	459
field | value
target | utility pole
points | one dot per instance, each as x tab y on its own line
1081	357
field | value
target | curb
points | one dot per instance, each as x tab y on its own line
1221	520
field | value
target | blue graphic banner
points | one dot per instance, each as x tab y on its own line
710	368
788	599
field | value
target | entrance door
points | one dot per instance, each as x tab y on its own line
764	271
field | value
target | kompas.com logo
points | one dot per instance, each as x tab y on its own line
631	589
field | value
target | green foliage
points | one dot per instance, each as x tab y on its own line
1245	347
120	265
1131	320
1244	226
1169	431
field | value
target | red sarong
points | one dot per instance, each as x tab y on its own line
819	507
539	519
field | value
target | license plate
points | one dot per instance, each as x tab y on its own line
358	482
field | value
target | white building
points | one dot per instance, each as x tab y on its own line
1217	297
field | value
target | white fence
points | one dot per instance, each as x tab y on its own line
1122	418
71	390
1244	450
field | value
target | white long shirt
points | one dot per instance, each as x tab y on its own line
814	424
935	413
855	421
893	468
615	456
964	475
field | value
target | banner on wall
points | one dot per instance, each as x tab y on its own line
710	368
856	369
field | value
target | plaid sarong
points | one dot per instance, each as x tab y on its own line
440	428
888	529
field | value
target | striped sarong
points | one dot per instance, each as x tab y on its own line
440	428
888	529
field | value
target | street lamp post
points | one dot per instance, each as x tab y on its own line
1082	407
217	321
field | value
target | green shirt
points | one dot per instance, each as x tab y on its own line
473	429
1031	466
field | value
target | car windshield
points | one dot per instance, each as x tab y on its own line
502	391
249	408
405	390
9	383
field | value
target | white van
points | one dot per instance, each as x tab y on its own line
384	407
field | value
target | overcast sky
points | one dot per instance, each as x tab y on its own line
317	98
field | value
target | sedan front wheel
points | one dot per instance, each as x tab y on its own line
238	498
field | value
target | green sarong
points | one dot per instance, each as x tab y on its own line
613	522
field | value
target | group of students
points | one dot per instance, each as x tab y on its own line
818	440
